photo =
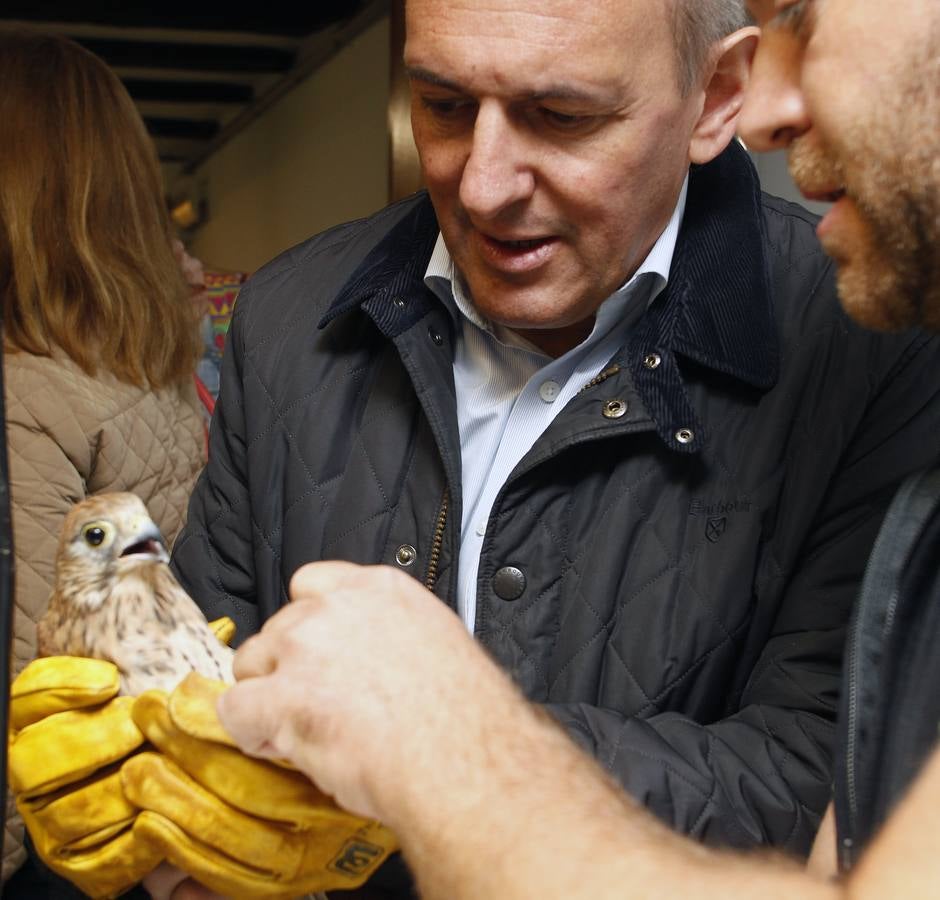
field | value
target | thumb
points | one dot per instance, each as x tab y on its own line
247	713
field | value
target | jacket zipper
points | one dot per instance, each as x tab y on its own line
846	845
436	544
601	376
438	540
897	512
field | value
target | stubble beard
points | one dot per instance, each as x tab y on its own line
888	252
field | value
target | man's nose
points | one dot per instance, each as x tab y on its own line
774	112
499	170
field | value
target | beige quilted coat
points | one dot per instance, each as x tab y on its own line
70	435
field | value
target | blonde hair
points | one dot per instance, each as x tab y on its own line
86	259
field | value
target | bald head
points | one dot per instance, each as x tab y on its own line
696	26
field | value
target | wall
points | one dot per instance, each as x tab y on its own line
321	156
316	158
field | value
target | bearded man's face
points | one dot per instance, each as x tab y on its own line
863	127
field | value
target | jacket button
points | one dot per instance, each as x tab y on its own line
405	555
685	435
435	336
509	583
399	302
652	360
614	409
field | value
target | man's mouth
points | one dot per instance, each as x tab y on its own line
823	195
517	255
520	243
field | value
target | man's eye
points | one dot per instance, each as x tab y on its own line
445	108
561	121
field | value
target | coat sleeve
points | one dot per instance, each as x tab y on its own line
44	483
762	775
213	556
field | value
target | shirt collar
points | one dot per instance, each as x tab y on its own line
652	275
717	308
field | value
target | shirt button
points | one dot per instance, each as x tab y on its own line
481	529
549	391
509	583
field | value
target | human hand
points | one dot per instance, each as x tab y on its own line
357	680
191	267
167	882
72	802
823	860
274	835
194	274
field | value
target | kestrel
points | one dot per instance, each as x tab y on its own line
115	598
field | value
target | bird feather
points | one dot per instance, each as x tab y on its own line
115	598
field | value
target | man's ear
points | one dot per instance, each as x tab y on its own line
724	94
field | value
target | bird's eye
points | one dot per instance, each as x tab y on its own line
95	534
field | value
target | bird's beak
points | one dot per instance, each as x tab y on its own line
147	542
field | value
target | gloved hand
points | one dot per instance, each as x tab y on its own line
275	835
69	732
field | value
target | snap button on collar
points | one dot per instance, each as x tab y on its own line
614	409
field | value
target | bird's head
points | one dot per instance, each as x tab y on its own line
103	538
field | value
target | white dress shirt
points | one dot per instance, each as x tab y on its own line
508	391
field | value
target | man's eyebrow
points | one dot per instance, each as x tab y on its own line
552	92
416	73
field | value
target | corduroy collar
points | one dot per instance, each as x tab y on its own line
716	309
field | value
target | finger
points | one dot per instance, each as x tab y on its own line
257	657
261	653
322	578
190	889
163	880
248	715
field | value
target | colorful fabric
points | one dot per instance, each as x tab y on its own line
221	289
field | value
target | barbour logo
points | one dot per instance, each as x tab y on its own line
715	528
717	515
726	508
356	858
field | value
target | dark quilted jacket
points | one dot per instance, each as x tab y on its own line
890	712
685	603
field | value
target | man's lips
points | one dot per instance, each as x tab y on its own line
835	217
822	195
516	254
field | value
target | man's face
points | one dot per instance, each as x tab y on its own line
554	142
852	87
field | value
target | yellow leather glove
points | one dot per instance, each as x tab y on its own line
69	731
275	835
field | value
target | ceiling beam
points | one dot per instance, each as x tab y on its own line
193	129
189	91
278	17
315	52
204	57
